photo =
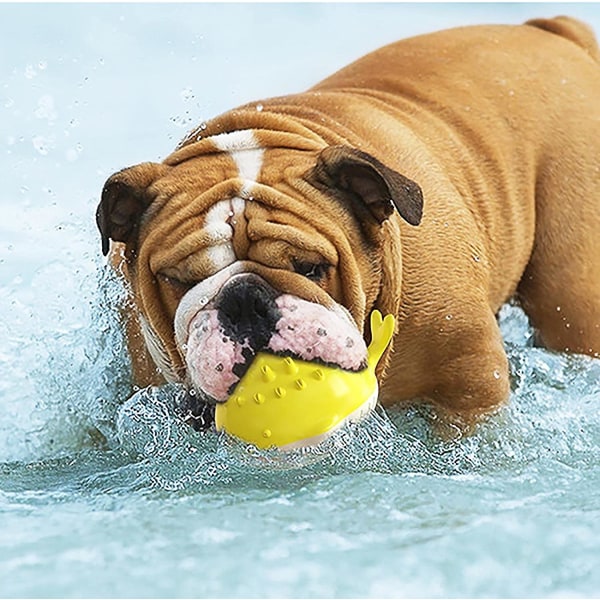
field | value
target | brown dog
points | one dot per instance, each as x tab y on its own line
434	179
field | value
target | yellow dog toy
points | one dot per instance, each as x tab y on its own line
290	403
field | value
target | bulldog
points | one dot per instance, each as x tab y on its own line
434	179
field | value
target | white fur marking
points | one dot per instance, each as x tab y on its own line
221	256
220	223
217	222
157	351
246	153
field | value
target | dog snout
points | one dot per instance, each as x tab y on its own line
247	311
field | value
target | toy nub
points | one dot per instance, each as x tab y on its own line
290	403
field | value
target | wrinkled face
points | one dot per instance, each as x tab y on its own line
236	246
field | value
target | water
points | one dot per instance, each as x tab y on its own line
104	497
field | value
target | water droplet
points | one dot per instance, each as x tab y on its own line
187	94
30	72
259	107
496	374
448	317
45	108
41	144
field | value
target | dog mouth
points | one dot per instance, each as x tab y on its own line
223	339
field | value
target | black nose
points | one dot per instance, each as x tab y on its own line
247	312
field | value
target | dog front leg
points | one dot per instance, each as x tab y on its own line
472	378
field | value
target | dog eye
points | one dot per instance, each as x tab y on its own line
174	282
313	271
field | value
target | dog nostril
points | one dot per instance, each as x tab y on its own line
261	308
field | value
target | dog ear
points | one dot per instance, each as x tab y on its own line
380	188
125	197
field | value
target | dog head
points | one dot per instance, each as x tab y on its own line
257	240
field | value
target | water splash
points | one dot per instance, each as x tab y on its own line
542	423
83	397
552	416
66	363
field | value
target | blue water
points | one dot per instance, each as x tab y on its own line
103	493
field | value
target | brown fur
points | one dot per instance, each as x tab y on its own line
500	128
